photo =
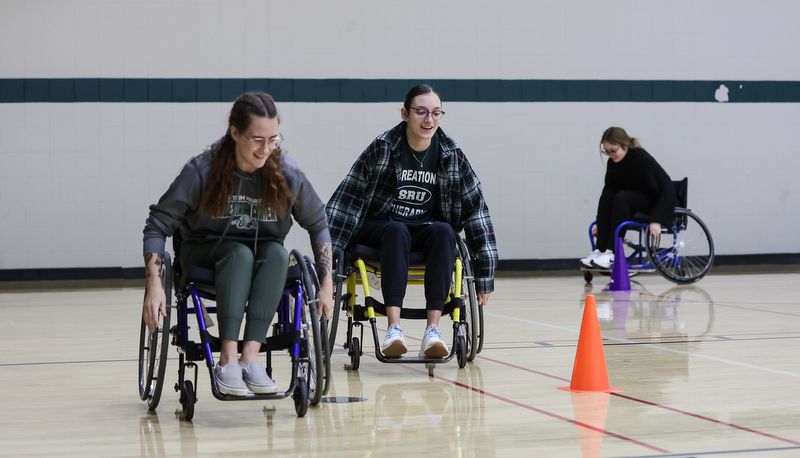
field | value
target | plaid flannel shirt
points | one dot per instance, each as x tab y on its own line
368	190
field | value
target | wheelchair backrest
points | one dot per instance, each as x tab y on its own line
681	192
177	271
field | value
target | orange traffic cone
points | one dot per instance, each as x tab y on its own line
589	372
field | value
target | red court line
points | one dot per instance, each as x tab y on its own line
526	406
543	412
653	404
532	408
712	420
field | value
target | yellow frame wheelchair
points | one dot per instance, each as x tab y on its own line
296	329
361	262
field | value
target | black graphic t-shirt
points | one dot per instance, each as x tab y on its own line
416	200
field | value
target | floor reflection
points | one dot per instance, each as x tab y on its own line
680	312
398	416
648	339
151	442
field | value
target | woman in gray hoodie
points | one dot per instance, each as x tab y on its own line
233	205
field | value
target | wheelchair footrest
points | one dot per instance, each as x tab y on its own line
360	311
276	342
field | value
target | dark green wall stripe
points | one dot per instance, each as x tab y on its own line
116	90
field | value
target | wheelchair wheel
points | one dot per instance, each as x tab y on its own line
355	354
338	304
313	366
153	347
473	312
326	354
187	399
323	332
683	253
461	351
300	396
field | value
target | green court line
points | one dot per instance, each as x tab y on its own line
191	90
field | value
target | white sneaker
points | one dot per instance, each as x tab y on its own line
394	345
604	260
587	261
433	345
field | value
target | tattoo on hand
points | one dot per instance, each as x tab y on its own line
324	259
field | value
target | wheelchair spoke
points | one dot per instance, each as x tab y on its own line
683	253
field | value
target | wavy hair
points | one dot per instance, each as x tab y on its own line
275	193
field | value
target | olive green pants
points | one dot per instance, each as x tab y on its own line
244	283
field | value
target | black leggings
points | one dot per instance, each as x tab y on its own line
395	240
616	207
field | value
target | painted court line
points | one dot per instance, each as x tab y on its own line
543	412
656	347
652	404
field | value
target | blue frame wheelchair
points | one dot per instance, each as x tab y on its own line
682	253
296	329
361	263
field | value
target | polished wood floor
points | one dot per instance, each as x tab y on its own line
711	369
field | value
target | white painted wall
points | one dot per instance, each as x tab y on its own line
76	179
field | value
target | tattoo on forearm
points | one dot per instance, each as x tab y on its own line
158	261
323	258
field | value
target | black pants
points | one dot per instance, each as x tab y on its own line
616	207
395	240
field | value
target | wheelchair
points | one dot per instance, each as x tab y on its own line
296	329
682	253
362	263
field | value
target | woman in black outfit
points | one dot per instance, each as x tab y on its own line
634	183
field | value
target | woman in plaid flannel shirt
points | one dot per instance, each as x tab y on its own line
413	189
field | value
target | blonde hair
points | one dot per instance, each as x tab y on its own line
618	136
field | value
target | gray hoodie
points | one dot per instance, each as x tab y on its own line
243	220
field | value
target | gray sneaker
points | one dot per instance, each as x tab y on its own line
229	379
256	378
433	345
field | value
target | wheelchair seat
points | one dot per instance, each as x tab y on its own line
372	256
203	277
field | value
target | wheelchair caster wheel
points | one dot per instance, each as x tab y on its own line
300	397
461	351
187	399
355	354
587	276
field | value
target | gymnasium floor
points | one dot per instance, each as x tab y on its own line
711	369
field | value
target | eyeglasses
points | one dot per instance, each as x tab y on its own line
259	142
609	152
423	113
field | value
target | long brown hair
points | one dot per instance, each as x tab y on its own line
275	193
